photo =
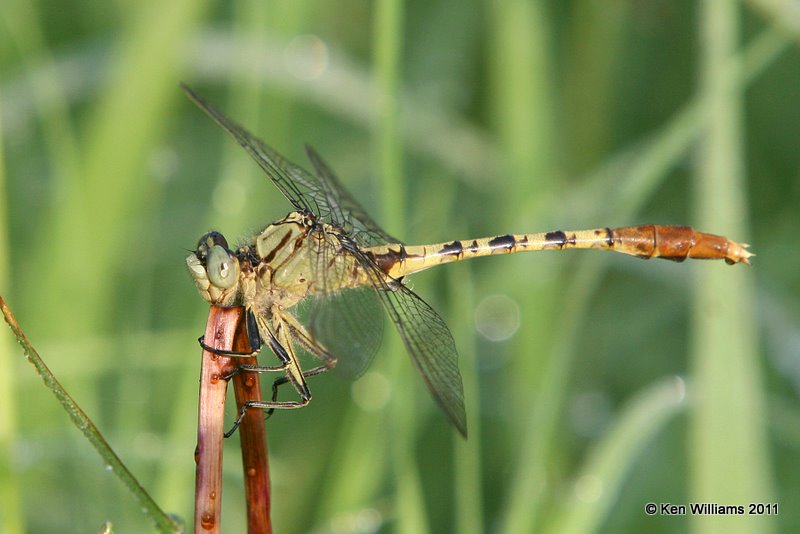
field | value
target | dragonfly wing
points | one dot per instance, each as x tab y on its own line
349	324
348	321
432	349
301	188
426	337
323	194
349	212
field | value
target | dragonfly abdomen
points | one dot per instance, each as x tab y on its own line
647	241
677	243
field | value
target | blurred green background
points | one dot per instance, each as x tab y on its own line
595	383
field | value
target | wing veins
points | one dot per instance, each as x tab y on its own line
428	341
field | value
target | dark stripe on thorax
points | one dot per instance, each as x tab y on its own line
272	253
298	244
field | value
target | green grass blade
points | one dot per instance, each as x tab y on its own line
388	41
105	201
598	484
11	521
161	520
729	454
634	172
780	13
469	515
360	466
521	78
24	25
388	44
649	167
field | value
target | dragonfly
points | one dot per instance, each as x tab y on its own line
330	252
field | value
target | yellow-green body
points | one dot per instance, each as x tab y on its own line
307	254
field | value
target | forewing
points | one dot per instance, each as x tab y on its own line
301	188
345	210
345	324
323	195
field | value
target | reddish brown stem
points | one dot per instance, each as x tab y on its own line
225	332
220	332
253	439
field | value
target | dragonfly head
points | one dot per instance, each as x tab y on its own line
215	269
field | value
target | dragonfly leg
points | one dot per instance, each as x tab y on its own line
283	380
268	406
294	375
288	329
279	338
308	342
247	368
277	348
223	352
252	335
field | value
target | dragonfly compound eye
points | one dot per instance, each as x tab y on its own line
209	240
222	267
